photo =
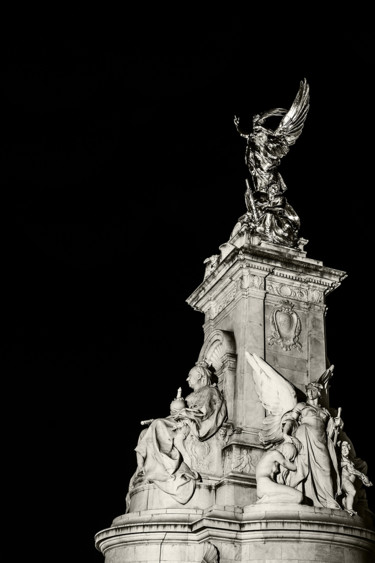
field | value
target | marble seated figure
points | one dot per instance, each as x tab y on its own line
162	456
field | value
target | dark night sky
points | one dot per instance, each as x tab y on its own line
122	171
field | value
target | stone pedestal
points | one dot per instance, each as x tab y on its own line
255	534
269	300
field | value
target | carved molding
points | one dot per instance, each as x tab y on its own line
249	280
300	292
219	302
206	455
217	347
286	327
224	302
241	459
199	452
210	553
219	350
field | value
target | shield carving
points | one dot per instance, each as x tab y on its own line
286	327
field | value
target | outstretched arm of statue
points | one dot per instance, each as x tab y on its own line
289	424
334	425
287	430
236	121
350	468
189	412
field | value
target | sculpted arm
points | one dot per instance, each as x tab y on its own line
290	420
334	425
239	130
349	467
285	462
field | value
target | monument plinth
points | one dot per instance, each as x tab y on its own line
254	464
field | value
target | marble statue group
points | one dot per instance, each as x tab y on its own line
308	458
252	463
310	453
269	214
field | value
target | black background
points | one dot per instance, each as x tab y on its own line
122	171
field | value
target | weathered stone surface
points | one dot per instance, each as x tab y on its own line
251	294
256	533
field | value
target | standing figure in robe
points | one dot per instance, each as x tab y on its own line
317	475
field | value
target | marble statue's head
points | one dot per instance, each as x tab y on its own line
345	448
288	450
314	389
200	375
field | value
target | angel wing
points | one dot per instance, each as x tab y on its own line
291	125
276	394
325	377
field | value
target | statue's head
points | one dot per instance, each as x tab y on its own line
289	450
274	190
345	448
314	390
200	375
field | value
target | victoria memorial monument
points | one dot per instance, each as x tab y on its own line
254	464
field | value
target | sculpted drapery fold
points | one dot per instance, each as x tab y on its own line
161	453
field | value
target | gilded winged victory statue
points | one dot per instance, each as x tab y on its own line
269	215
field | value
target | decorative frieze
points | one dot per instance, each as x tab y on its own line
249	280
300	292
245	282
241	459
228	298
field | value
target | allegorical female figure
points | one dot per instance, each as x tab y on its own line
266	147
161	454
276	219
317	473
307	425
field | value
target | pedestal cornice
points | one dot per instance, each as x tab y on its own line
289	276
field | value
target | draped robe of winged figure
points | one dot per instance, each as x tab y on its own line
308	422
275	218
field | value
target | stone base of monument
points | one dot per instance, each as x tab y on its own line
255	533
230	490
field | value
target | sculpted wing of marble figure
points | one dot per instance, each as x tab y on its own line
306	424
276	394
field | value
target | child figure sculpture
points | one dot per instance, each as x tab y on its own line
348	476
